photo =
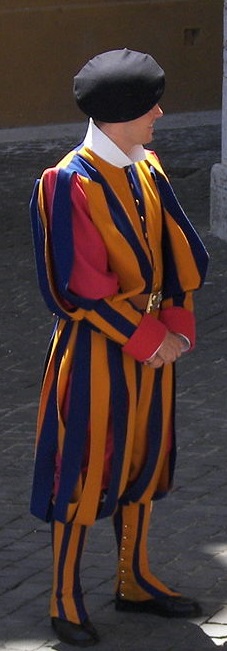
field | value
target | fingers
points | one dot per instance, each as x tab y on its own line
156	362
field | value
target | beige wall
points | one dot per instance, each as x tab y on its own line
44	42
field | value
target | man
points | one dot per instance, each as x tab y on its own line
117	261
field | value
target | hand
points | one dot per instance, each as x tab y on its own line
171	348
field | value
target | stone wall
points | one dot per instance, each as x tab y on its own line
218	190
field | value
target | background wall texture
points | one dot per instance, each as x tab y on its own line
44	42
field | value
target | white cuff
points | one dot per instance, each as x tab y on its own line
185	341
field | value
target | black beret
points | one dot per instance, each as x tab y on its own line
119	85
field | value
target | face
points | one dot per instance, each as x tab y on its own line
135	132
140	131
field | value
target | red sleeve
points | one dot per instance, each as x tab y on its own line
90	276
146	339
179	320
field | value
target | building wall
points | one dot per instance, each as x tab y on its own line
44	42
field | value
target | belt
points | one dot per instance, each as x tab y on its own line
147	302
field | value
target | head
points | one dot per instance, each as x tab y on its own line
119	88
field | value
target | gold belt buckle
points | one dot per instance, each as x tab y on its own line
154	301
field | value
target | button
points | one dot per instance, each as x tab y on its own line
142	218
137	202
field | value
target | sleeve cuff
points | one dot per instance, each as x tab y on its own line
185	342
180	320
146	339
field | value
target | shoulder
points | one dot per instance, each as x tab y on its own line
153	159
65	167
61	174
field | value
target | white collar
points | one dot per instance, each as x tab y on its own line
100	144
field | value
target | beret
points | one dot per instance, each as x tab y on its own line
119	85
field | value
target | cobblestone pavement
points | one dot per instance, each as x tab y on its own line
188	536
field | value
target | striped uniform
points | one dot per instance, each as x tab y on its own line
103	235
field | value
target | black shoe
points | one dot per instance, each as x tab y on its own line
76	634
166	606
